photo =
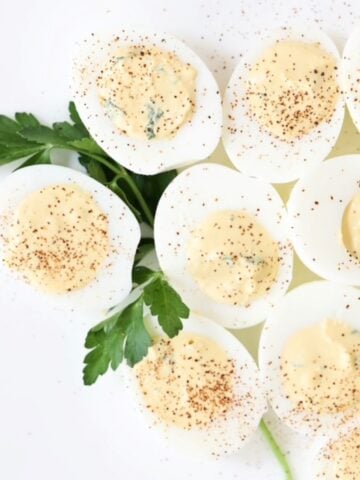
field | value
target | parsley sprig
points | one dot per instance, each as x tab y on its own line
25	137
124	334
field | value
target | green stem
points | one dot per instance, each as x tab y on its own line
117	169
113	185
122	173
276	450
142	202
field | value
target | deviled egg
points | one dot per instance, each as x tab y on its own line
282	107
350	75
65	238
340	458
309	358
147	99
222	240
324	212
201	389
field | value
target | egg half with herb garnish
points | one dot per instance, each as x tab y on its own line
222	240
65	238
350	75
324	211
283	109
200	389
147	99
309	358
339	458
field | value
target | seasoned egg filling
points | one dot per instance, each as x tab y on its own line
344	457
320	368
187	381
233	258
292	89
351	227
58	238
148	93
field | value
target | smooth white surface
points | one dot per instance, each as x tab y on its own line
51	427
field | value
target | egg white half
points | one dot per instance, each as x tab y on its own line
250	148
350	75
316	207
189	199
195	140
304	306
113	281
223	436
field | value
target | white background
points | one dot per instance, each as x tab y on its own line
51	427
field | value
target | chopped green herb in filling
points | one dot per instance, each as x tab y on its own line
146	92
154	115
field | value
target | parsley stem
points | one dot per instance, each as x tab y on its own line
121	172
276	450
113	185
139	198
114	168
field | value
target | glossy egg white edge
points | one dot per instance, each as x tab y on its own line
223	436
350	75
113	281
304	306
189	199
195	141
251	149
316	206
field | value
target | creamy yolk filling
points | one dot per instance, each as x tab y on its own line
351	227
58	238
320	367
292	89
233	258
187	381
344	455
148	93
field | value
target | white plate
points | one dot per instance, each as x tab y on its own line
51	427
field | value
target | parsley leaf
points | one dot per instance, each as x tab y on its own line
25	136
138	339
107	349
87	145
43	135
67	131
145	246
122	335
14	140
13	145
142	274
40	158
93	168
166	304
75	117
9	154
26	120
153	186
8	125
